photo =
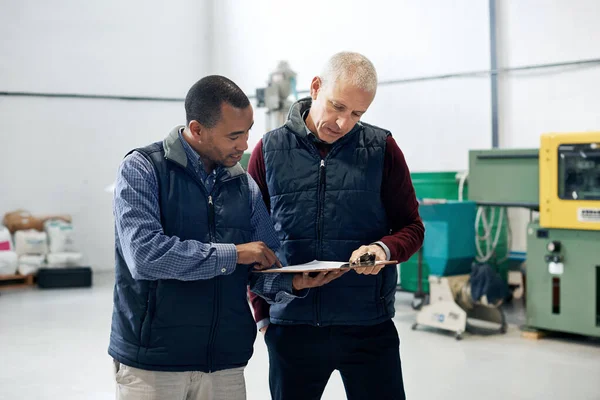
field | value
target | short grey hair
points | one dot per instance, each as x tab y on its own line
352	68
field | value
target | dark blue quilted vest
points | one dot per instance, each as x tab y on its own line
171	325
324	210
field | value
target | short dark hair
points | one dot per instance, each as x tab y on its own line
204	99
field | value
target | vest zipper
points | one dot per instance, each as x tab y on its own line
211	229
211	218
320	208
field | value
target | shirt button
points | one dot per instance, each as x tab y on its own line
223	270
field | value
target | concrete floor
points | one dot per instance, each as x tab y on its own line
53	346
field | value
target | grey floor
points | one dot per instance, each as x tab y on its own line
53	346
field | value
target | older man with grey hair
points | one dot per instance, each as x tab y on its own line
337	188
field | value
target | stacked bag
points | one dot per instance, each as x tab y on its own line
8	257
31	247
39	242
62	250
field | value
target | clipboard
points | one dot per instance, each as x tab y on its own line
324	266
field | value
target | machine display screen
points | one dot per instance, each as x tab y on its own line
579	171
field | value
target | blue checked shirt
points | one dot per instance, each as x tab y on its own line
152	255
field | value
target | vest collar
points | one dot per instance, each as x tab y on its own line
295	121
175	152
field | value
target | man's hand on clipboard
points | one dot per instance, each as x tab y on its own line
257	253
361	255
304	280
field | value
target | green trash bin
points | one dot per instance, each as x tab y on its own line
437	185
428	185
409	275
244	160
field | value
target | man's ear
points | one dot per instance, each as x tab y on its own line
196	130
315	86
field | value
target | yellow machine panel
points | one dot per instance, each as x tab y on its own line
570	180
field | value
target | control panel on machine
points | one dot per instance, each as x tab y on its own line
570	181
554	259
579	172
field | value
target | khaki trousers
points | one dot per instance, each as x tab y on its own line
139	384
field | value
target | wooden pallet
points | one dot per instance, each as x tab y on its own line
537	334
533	334
15	281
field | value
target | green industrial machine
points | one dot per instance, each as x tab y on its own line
563	280
561	180
446	186
428	185
504	177
449	248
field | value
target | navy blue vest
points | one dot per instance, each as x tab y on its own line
171	325
324	210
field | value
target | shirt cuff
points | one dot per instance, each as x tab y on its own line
262	323
226	258
385	248
287	292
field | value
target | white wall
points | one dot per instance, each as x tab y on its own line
136	47
563	100
434	122
59	154
63	161
557	100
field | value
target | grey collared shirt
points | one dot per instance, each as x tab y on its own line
207	179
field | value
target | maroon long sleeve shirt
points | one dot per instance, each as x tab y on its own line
397	195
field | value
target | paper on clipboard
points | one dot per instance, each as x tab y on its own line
321	266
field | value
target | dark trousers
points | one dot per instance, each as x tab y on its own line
302	358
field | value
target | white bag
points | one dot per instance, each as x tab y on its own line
30	264
60	236
5	239
8	262
31	242
59	260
